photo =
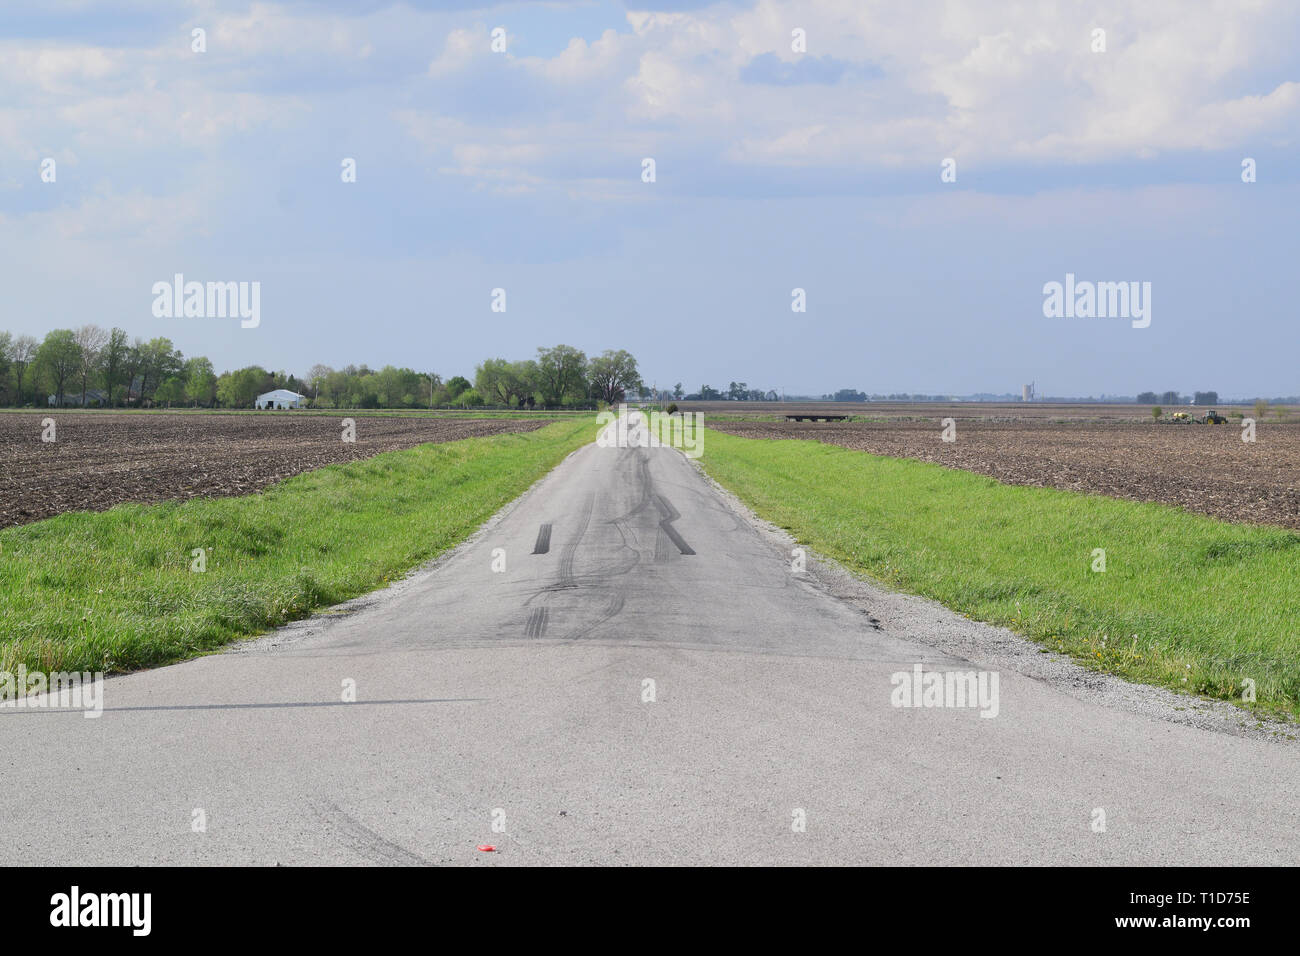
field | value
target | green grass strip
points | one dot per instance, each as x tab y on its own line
114	590
1185	601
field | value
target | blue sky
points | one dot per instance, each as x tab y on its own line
776	169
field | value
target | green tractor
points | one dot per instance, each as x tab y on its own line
1214	418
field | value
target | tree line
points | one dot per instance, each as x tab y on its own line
735	392
561	375
94	367
1173	398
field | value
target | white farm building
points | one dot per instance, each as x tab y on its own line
280	398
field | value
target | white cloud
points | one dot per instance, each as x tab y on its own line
990	82
459	50
583	62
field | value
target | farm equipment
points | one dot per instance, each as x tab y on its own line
1211	418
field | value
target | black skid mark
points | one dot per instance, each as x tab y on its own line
671	514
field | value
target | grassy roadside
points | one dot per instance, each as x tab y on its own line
1185	601
115	591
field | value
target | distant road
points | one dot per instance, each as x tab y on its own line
523	698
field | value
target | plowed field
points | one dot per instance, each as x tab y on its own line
1203	468
100	460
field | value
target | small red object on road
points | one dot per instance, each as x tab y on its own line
487	848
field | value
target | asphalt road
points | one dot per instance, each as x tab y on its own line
514	708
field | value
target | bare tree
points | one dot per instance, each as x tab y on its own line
6	347
111	360
91	339
133	361
316	377
22	354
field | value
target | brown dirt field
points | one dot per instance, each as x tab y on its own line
990	411
962	411
103	459
1206	469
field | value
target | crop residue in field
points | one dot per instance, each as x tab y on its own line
1205	469
100	460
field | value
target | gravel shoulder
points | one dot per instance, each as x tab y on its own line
997	648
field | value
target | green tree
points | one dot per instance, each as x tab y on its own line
396	387
171	392
612	375
505	383
59	358
200	381
525	376
335	388
240	388
491	380
160	360
455	385
561	373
